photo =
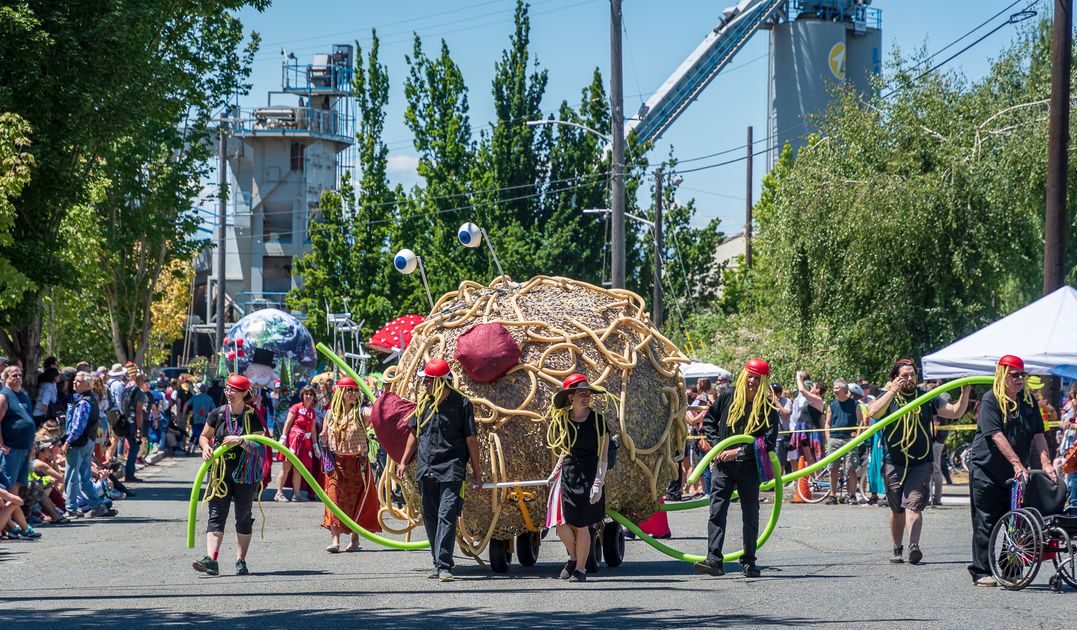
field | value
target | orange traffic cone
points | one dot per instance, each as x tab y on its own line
803	488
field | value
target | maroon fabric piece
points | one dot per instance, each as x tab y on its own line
390	421
486	352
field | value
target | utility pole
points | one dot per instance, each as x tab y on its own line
617	245
656	306
748	208
222	204
1055	216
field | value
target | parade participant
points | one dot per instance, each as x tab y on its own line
843	414
1008	431
746	409
297	429
442	440
580	438
907	453
235	477
350	481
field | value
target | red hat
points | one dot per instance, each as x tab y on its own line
1012	362
239	382
347	381
758	367
574	383
435	368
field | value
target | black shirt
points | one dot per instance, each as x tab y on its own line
249	423
919	446
716	426
443	439
1019	428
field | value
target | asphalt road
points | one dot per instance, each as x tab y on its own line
824	565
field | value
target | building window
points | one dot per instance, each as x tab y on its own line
298	153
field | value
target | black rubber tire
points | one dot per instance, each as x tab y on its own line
613	544
596	549
527	548
500	558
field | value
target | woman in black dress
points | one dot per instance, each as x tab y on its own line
578	435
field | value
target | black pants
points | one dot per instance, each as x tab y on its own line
989	502
744	478
242	494
441	503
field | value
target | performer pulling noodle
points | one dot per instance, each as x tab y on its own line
1009	431
443	433
580	439
746	409
235	478
907	446
349	479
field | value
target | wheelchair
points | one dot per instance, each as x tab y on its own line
1037	531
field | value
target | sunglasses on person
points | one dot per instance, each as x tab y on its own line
351	390
1019	374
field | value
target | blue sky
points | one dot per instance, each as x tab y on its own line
570	38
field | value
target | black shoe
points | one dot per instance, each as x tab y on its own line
578	576
241	567
898	553
206	565
566	572
132	479
831	500
915	555
706	568
750	571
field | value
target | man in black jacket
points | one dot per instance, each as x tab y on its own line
746	409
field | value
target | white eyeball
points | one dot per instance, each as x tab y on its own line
469	235
405	261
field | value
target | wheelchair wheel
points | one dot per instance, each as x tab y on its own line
1064	559
1016	550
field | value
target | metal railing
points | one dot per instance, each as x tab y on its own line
287	121
316	78
837	10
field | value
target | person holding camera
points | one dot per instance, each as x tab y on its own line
746	409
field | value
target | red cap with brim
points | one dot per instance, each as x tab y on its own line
347	381
758	367
435	368
239	382
1012	362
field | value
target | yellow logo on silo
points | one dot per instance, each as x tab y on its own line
837	60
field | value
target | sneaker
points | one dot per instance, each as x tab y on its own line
936	503
433	575
831	500
280	498
898	555
241	568
101	511
986	580
915	555
578	576
566	572
206	565
445	576
750	570
132	479
76	514
706	568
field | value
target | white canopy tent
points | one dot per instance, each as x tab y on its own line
697	369
1043	334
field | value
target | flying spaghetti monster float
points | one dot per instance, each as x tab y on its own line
510	347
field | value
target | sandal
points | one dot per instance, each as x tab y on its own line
333	548
353	548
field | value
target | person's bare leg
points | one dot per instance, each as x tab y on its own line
916	523
297	482
334	533
568	538
5	515
282	476
897	528
213	543
851	484
243	543
833	481
583	547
